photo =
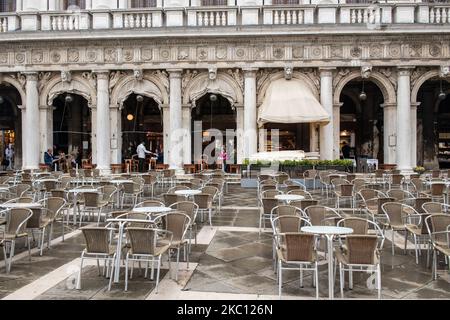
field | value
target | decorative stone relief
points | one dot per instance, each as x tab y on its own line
44	77
202	53
164	54
336	52
261	76
91	56
3	58
313	75
21	78
55	57
355	52
316	52
146	54
444	71
163	77
212	73
187	77
416	74
237	76
288	70
435	50
340	73
259	52
376	51
240	53
128	55
298	52
221	52
91	77
110	55
395	50
66	76
73	55
20	58
183	53
37	56
390	74
366	71
114	77
278	52
415	50
138	74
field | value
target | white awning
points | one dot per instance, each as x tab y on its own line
291	101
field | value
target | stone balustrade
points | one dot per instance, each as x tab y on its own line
369	14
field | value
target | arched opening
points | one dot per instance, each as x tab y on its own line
214	128
74	4
72	124
10	126
361	121
433	124
141	121
290	136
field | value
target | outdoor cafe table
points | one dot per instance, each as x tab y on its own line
289	197
151	209
122	222
75	195
329	232
187	193
15	205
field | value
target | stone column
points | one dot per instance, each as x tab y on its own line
175	110
46	130
326	99
187	136
103	123
94	133
18	5
337	130
404	119
389	132
116	137
52	7
239	134
414	134
123	4
313	138
31	124
166	131
89	4
250	133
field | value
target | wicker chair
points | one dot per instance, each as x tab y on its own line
215	194
109	194
149	182
295	251
401	195
435	207
133	190
93	202
322	215
399	216
178	224
266	206
284	210
205	203
361	255
310	175
171	198
438	226
98	248
362	227
418	185
344	191
16	222
437	191
303	204
270	193
144	246
191	209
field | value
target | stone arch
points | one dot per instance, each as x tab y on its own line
382	82
279	75
150	86
421	80
17	85
78	85
224	85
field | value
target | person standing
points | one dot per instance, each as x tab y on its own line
49	158
346	150
9	154
142	152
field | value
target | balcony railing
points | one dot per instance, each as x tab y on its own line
220	16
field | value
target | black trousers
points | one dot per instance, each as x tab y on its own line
141	164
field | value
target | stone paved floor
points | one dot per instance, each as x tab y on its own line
232	260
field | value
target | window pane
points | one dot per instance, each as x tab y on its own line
7	5
214	2
143	3
72	3
285	1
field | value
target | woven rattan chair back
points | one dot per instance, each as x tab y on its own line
268	204
188	207
178	188
432	207
359	226
25	200
439	225
361	249
177	223
203	200
268	187
57	193
289	224
270	193
21	189
96	240
346	189
299	246
395	213
316	214
142	240
301	192
15	218
294	188
92	199
171	198
418	184
150	203
367	194
419	202
54	205
303	204
286	210
437	189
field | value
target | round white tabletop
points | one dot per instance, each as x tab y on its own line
327	230
187	192
289	197
31	205
83	190
120	181
152	209
47	180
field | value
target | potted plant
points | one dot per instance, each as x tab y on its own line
419	169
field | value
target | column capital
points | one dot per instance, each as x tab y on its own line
250	72
101	74
326	71
388	105
338	105
31	75
174	73
405	70
415	104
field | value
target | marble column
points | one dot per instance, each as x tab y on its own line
337	130
176	130
239	134
31	123
89	4
404	119
18	5
187	135
414	134
326	99
123	4
389	132
250	126
116	136
166	131
313	138
103	123
46	129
